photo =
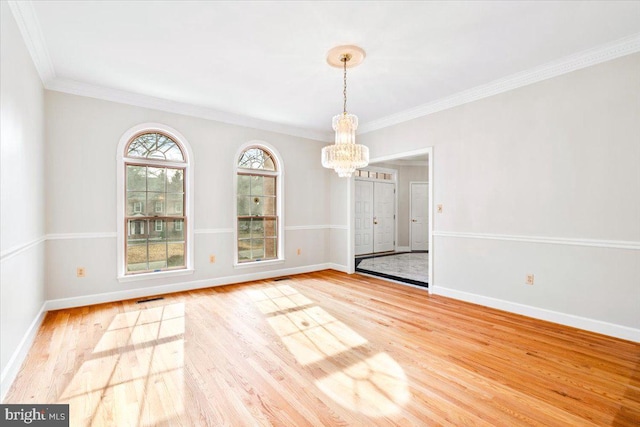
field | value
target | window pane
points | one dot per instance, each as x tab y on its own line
270	228
269	206
156	179
157	255
244	250
157	244
257	249
136	178
268	164
175	204
244	228
155	204
176	255
174	231
136	245
137	255
270	248
175	180
257	205
244	184
256	186
244	205
257	228
155	146
174	153
157	230
135	203
269	185
256	158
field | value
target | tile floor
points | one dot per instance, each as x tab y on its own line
412	266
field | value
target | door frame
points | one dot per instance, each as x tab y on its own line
351	264
411	210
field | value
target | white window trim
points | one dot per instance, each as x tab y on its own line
279	173
120	199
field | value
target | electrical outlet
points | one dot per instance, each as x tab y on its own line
212	259
299	251
529	280
81	272
439	208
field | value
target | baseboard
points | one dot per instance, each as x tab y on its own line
10	372
85	300
338	267
598	326
403	248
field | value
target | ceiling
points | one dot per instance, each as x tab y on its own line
263	64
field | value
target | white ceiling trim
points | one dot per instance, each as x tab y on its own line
607	52
29	26
124	97
401	162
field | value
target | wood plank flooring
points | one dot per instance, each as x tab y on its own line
325	349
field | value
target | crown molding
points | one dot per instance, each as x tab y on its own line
25	16
419	163
29	27
587	58
124	97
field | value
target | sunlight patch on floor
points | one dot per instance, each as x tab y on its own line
135	371
346	368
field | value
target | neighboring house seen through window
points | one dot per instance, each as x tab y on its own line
154	167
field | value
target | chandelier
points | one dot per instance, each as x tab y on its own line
345	156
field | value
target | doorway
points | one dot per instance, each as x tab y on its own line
411	254
375	216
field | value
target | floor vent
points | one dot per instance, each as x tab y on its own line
149	300
279	279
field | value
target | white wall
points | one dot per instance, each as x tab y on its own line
543	179
82	137
21	199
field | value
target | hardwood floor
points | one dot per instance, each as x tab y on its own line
325	349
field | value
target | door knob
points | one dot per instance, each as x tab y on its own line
414	220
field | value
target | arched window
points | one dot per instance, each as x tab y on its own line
258	205
155	234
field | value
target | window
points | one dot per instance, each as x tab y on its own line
154	190
374	175
258	205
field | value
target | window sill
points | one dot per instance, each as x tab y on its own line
258	263
154	275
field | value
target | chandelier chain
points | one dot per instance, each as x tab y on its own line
344	59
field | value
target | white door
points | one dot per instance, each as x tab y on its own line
384	223
364	217
419	194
